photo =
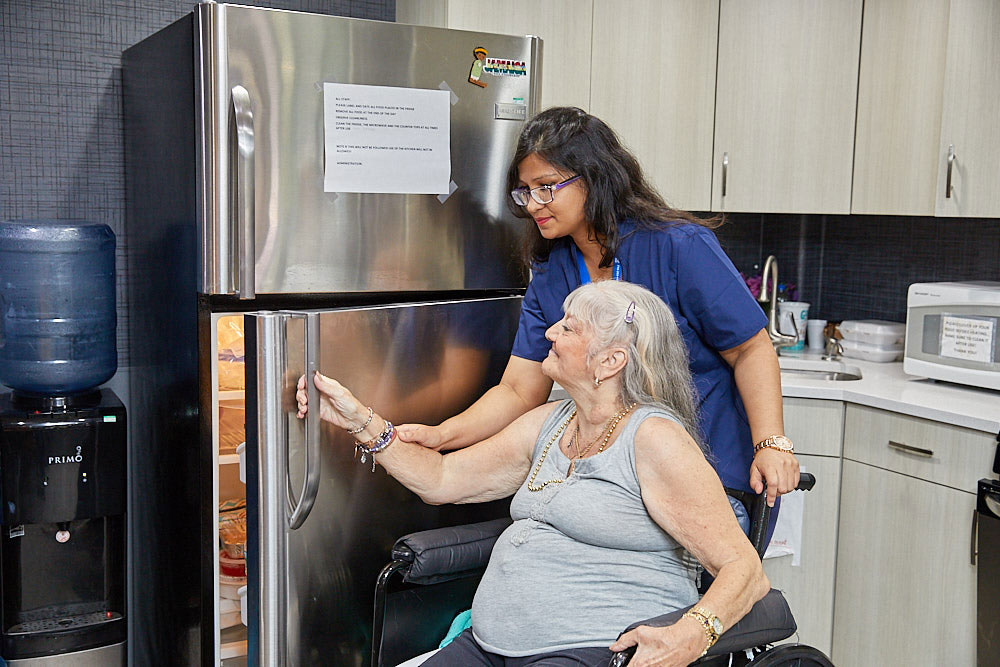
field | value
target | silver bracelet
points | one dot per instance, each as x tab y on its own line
361	428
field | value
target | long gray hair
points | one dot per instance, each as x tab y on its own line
657	372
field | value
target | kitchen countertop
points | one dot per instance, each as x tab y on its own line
887	387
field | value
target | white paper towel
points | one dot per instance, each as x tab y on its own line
787	537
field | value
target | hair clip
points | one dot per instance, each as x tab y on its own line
630	313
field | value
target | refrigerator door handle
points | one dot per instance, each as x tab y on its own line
298	511
242	169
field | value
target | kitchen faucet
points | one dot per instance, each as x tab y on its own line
779	340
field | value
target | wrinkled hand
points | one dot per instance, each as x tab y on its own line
677	644
420	434
337	404
779	469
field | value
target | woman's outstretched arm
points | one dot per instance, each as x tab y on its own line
522	388
493	469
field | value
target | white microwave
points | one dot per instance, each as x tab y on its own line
953	332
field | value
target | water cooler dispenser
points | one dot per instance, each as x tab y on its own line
62	449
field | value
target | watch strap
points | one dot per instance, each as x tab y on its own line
779	442
708	621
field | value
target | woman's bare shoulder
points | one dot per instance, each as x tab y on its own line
661	438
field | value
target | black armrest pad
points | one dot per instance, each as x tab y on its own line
449	553
768	621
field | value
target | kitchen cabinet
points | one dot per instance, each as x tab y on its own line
653	81
929	82
564	26
969	126
900	84
905	583
786	97
816	428
906	591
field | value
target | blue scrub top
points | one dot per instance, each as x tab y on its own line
684	265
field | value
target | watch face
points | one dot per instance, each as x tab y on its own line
717	626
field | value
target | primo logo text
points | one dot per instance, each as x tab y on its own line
67	459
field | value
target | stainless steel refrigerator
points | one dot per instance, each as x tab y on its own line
303	192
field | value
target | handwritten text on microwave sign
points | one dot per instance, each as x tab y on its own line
967	338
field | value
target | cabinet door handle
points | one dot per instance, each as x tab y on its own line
910	449
725	172
951	166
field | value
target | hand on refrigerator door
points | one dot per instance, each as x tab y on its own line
337	404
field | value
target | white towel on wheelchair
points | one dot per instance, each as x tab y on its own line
419	660
787	537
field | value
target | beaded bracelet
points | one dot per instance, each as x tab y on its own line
371	413
377	444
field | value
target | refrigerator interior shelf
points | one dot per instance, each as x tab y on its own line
234	641
232	394
228	459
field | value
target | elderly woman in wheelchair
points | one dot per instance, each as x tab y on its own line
614	505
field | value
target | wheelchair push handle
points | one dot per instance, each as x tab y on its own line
806	482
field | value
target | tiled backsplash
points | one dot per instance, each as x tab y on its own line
61	140
860	266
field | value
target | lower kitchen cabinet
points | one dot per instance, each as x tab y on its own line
816	428
809	586
905	587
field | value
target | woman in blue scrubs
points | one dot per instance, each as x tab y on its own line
593	216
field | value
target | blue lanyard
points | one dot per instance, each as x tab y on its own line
581	265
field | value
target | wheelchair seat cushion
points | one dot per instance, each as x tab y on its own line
444	554
768	621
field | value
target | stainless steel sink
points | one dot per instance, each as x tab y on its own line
814	369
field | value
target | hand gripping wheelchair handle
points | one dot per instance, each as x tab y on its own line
768	621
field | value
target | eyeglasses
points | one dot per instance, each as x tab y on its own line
543	194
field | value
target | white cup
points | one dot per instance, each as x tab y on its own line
814	329
792	316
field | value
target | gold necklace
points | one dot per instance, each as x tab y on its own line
613	423
531	481
607	437
609	429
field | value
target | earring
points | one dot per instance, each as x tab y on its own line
597	381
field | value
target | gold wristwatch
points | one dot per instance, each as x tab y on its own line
779	442
711	623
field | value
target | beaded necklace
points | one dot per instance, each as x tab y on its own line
607	437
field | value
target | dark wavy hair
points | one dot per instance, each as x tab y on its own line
573	141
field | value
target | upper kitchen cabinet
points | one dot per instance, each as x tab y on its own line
969	150
564	26
653	81
928	89
785	105
901	82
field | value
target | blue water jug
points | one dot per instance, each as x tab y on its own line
57	306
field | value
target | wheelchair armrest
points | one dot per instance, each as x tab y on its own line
448	553
768	621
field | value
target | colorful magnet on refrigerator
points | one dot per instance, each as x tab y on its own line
476	73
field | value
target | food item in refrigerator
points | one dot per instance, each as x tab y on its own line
231	369
232	425
232	375
234	568
233	528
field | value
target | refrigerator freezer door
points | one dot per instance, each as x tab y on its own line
311	588
268	226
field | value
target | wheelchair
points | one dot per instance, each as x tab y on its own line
434	573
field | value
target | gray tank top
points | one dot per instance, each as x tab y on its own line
583	559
